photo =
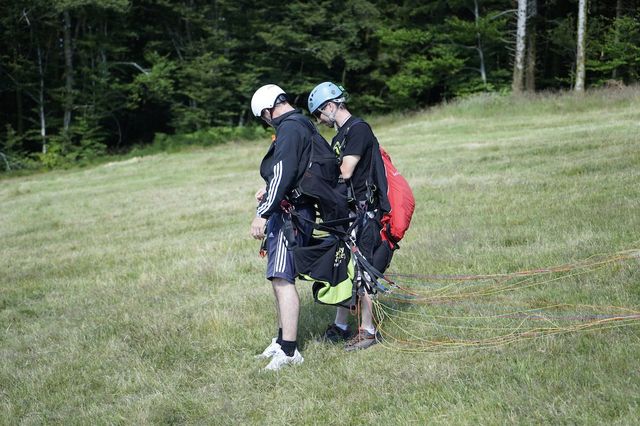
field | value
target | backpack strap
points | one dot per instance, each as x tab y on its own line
295	195
331	226
343	143
375	193
339	149
302	120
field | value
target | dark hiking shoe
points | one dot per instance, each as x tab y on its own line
362	340
335	334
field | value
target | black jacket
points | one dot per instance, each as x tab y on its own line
285	161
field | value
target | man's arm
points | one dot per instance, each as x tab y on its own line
349	163
283	175
359	137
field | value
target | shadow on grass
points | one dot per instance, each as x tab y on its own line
314	317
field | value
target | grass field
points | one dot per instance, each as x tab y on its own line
132	293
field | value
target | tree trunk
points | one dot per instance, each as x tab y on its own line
518	66
530	71
68	71
619	9
19	112
483	69
614	73
43	122
580	55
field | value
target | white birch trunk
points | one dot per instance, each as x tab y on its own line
68	69
43	123
530	66
521	34
582	25
483	70
614	73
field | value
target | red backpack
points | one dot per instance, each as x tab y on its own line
396	222
395	196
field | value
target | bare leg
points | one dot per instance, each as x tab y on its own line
275	295
342	316
366	310
288	307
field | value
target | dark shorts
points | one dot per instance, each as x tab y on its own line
280	262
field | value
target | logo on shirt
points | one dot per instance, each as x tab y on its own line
340	256
337	148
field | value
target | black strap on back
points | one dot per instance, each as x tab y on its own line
343	143
329	225
303	120
307	153
371	186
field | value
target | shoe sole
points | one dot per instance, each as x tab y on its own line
356	347
260	356
327	340
283	366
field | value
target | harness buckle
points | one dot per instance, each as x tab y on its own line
286	206
294	195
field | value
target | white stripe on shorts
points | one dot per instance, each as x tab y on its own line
281	253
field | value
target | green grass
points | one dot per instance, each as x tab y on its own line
132	293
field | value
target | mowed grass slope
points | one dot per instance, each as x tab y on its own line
131	292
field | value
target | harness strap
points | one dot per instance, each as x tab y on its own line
375	275
371	187
295	194
328	226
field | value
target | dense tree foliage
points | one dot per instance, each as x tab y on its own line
79	78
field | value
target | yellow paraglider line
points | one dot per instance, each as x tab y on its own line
404	329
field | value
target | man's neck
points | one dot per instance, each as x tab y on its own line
281	109
342	117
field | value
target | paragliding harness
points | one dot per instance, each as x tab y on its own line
333	261
387	187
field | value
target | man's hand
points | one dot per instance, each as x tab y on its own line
260	194
257	227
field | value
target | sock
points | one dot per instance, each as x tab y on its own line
371	330
279	339
289	347
341	326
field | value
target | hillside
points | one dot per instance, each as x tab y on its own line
131	292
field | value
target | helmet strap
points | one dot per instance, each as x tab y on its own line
267	118
332	117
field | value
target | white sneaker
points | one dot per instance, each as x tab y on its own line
280	359
270	350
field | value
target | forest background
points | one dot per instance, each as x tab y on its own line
82	79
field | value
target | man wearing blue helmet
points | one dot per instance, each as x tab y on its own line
356	144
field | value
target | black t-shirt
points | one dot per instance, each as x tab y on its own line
360	140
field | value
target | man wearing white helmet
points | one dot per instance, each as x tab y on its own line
281	168
356	145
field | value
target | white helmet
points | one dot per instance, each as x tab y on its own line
265	97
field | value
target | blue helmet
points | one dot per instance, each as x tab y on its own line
324	92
